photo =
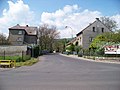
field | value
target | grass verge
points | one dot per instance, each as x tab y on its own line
27	63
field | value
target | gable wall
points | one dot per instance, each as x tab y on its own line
13	37
88	33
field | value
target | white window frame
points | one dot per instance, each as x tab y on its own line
91	39
19	32
19	39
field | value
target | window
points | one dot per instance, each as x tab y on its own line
19	39
20	32
76	44
93	29
102	29
80	39
91	39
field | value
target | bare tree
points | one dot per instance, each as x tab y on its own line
3	39
47	35
110	23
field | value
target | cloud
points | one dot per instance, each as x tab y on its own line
73	17
17	13
117	19
70	16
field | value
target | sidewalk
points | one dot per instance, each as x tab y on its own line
6	69
91	60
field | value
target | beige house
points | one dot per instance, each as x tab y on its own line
86	36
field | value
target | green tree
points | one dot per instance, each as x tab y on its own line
71	48
96	42
78	49
104	39
108	37
58	45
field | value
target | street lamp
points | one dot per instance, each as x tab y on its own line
71	30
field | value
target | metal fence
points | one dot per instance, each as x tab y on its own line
18	56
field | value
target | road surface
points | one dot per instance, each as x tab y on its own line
56	72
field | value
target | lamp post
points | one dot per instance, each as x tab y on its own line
71	30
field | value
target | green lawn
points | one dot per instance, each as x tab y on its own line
9	57
21	61
27	63
17	58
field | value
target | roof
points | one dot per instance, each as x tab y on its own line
85	28
72	41
97	19
30	30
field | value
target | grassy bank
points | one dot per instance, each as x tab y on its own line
27	63
16	58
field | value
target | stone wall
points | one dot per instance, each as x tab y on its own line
12	50
89	34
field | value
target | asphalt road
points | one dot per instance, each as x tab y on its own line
56	72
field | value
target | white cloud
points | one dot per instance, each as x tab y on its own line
70	16
73	17
117	19
68	8
17	13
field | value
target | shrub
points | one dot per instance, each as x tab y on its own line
26	57
36	51
70	48
86	52
80	53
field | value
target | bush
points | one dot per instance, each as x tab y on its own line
80	53
19	59
70	48
112	55
86	52
36	51
25	58
100	52
78	49
27	63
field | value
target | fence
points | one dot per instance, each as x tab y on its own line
18	53
18	56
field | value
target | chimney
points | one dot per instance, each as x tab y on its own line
18	25
26	25
90	23
97	18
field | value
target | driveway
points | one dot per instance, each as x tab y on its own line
56	72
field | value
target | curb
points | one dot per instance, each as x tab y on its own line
91	60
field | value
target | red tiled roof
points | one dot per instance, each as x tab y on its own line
30	30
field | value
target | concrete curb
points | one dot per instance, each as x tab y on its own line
5	69
91	60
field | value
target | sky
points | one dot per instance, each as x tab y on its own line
76	14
